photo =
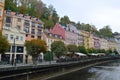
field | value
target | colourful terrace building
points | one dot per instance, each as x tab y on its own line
57	29
96	42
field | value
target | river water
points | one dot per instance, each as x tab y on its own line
108	71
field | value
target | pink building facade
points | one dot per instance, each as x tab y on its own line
96	42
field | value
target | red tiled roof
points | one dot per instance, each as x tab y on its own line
57	29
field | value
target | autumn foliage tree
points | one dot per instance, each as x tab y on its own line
4	45
35	47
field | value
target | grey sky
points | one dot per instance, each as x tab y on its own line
95	12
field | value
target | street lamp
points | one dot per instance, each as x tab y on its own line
13	55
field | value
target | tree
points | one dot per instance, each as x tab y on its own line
106	31
10	5
72	48
48	23
109	51
82	49
91	50
65	20
58	48
23	9
4	45
35	47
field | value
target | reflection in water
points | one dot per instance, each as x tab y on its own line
110	71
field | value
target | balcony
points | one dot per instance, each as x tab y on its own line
26	23
40	26
7	27
33	24
32	32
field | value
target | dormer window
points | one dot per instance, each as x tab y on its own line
17	13
32	17
56	36
38	19
50	34
19	19
8	11
25	15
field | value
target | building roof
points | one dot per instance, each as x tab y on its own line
57	29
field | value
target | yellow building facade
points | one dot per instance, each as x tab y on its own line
1	13
85	35
90	41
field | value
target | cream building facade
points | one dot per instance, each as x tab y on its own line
21	23
104	44
49	38
16	50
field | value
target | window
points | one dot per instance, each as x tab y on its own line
17	38
39	37
6	36
33	24
26	35
19	20
39	31
20	49
26	23
7	25
21	38
26	29
40	26
33	31
18	26
8	19
33	36
11	37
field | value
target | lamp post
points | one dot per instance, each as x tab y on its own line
13	55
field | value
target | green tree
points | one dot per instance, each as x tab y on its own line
10	5
35	47
23	9
72	48
82	49
58	48
106	31
48	23
91	50
4	45
65	20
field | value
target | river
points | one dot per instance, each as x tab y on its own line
108	71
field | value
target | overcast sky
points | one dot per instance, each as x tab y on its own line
95	12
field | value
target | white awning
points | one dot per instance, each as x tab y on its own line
81	54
